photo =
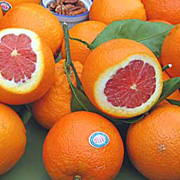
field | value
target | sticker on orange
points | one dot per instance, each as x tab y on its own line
5	6
99	139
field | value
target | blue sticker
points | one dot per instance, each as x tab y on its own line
99	139
5	6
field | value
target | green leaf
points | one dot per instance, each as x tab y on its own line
25	113
174	102
169	87
148	33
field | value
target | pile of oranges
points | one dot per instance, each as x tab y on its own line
122	79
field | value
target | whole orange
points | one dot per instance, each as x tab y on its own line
122	78
38	19
170	52
57	101
153	143
12	138
86	31
168	10
83	145
108	11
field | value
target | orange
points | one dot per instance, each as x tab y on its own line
12	138
122	78
108	11
1	13
167	10
170	52
153	144
27	66
86	31
38	19
176	94
83	145
57	101
158	20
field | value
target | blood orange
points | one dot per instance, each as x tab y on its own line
26	66
122	78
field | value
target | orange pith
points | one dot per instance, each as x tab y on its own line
78	157
57	101
86	31
108	11
38	19
12	138
153	143
107	78
27	66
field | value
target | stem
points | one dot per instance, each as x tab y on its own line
77	177
167	67
84	42
68	55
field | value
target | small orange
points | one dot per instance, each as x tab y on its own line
153	143
170	52
167	10
86	31
108	11
57	101
27	66
38	19
122	78
12	138
83	145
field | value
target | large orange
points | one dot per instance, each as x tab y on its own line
112	10
170	51
27	66
57	101
153	144
122	78
12	138
86	31
168	10
83	145
38	19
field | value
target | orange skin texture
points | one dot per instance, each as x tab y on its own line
86	31
45	83
170	52
158	20
105	56
153	144
176	94
38	19
57	101
67	151
108	11
12	138
1	13
17	2
167	10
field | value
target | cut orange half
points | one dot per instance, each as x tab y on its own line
26	66
122	78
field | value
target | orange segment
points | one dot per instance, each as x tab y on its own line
27	66
122	78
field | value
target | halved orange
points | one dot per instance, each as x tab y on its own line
122	78
27	66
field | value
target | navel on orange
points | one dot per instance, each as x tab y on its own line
122	78
26	66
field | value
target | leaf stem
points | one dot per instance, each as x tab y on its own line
69	62
84	42
167	67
